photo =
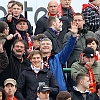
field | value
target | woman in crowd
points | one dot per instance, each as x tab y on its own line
93	43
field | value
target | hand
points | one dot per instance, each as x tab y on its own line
74	29
1	47
9	18
91	61
10	36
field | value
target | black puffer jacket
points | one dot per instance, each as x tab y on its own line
16	66
29	81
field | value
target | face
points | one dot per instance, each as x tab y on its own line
90	59
17	10
9	8
79	21
19	49
36	60
45	47
22	26
6	31
92	45
96	2
10	89
57	24
85	82
0	95
43	95
52	7
36	44
65	3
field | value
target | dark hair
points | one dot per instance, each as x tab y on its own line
79	77
90	40
50	20
34	53
3	26
22	41
18	3
91	0
97	87
38	37
79	14
63	95
11	1
4	95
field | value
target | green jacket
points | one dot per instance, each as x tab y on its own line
79	46
79	67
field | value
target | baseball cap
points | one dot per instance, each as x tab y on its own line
21	19
43	88
88	52
10	81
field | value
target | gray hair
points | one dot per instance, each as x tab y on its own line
45	39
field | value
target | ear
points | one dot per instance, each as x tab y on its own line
37	94
81	82
4	31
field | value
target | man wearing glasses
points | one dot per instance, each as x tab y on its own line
83	33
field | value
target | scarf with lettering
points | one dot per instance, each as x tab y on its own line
92	86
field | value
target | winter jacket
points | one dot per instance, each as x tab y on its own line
91	16
3	59
16	66
41	25
56	61
30	81
79	46
78	95
79	67
55	38
95	96
12	30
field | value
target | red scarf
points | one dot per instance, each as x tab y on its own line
60	11
13	98
97	56
47	61
89	5
30	44
92	86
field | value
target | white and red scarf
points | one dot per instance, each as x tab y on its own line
30	44
92	86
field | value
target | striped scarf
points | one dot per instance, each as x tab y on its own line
92	86
30	44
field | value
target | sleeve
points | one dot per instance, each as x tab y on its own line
3	61
53	85
67	50
91	19
20	86
76	69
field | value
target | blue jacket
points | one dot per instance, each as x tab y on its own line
55	62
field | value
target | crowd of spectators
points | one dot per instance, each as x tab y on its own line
31	63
